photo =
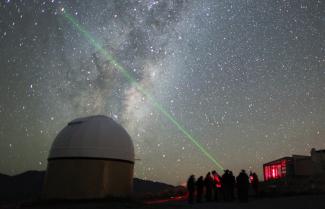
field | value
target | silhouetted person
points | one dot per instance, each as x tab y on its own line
232	185
226	185
191	188
208	183
242	186
199	189
251	178
255	183
216	185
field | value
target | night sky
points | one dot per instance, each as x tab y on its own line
245	78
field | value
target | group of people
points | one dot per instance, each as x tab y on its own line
216	187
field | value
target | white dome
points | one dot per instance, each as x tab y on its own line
93	137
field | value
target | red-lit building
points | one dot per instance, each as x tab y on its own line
286	167
297	173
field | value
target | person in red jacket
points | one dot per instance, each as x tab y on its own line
216	184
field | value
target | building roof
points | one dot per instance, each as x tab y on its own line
293	157
277	160
93	137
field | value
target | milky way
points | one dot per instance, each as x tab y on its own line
245	78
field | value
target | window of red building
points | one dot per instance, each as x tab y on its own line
275	170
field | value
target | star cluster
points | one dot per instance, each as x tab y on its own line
245	78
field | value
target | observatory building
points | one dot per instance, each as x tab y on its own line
296	166
92	157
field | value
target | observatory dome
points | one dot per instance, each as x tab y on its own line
98	137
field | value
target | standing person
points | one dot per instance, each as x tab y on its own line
199	189
216	184
208	183
250	176
232	185
242	186
226	181
191	188
255	183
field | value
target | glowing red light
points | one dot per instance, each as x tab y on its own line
275	170
217	180
251	178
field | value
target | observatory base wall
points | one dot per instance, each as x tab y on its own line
88	179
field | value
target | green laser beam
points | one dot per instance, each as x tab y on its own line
133	81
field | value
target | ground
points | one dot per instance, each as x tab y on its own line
291	202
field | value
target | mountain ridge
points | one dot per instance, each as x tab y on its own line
29	185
